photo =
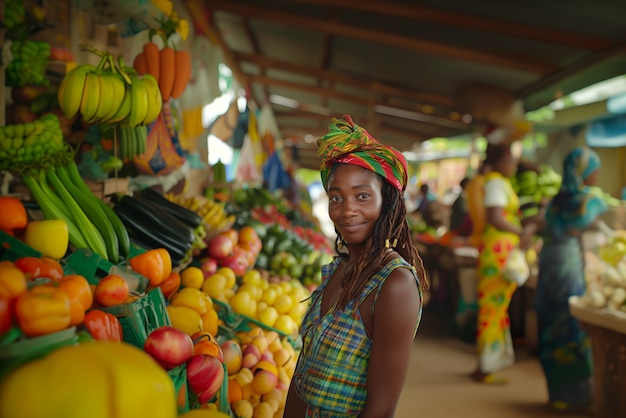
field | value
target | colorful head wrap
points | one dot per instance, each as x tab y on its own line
577	166
348	143
574	207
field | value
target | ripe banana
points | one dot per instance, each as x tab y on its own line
91	97
124	109
138	103
118	91
155	101
105	104
70	91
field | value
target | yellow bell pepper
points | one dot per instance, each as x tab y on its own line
49	236
101	379
42	310
191	298
12	280
185	319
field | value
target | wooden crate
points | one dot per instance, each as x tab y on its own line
607	332
102	188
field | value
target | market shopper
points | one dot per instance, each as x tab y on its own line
564	348
502	232
360	327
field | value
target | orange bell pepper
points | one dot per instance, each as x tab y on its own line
103	326
43	310
12	280
170	285
78	290
12	214
6	315
36	267
155	265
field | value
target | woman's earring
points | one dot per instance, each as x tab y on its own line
391	245
340	242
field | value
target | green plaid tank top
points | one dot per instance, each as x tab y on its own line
331	373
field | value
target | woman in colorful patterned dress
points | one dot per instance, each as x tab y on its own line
360	327
564	349
502	232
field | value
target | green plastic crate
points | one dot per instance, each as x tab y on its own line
140	317
179	377
22	351
94	268
12	248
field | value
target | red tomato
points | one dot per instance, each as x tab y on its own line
36	267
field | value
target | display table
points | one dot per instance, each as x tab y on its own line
607	332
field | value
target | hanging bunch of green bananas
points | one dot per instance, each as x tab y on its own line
110	93
28	66
533	186
131	142
14	13
22	145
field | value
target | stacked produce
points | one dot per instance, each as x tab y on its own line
534	185
28	66
607	288
24	144
152	221
14	13
215	218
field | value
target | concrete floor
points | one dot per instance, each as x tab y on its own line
438	384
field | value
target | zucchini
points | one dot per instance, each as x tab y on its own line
146	234
148	212
187	216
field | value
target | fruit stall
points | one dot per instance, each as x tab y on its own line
601	312
199	293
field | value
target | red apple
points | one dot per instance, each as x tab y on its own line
205	375
220	246
238	261
209	266
232	356
169	346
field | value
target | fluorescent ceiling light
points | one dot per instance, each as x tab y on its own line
419	117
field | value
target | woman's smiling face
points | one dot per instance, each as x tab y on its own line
354	202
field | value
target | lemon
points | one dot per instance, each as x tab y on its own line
254	291
242	408
283	304
252	277
241	302
264	410
269	296
286	324
229	273
214	285
268	316
192	277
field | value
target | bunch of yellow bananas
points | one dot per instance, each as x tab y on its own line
111	93
213	213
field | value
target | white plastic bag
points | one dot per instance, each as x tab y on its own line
516	268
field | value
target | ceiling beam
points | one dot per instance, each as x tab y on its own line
501	27
397	41
335	77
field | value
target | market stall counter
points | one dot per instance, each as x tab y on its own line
607	331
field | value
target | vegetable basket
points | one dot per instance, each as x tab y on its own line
94	268
140	317
22	351
12	248
179	377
